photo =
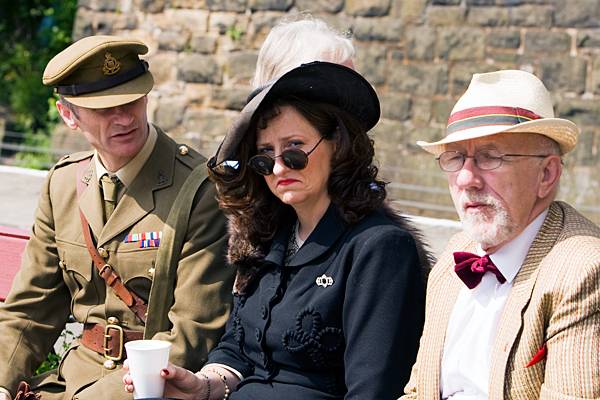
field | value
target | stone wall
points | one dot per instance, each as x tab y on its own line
419	54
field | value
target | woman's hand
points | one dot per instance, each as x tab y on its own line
180	383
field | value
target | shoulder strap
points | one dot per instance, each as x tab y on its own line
112	279
169	251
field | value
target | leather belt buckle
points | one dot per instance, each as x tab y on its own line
107	337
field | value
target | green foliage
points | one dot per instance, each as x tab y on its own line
31	33
234	33
53	359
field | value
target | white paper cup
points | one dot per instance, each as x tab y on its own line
146	359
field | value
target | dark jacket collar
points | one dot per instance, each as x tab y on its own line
329	229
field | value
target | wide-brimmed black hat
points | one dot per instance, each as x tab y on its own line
318	81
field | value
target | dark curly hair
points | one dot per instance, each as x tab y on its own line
255	213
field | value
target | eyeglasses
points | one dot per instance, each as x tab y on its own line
263	164
452	161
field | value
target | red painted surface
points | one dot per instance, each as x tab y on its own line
12	244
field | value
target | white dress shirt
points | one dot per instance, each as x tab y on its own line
472	326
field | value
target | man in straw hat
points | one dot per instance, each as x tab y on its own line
100	226
513	303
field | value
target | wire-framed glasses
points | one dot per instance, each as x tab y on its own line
486	160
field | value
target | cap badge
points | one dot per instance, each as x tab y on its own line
111	65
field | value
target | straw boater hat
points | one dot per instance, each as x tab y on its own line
100	72
502	102
317	81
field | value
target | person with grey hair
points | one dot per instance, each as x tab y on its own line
512	303
297	41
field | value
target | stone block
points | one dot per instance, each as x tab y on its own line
595	77
418	79
272	5
480	3
395	106
240	66
577	13
412	11
588	39
503	57
317	6
371	62
169	112
461	74
582	112
104	5
163	66
227	5
222	22
83	23
539	16
192	21
488	16
459	44
565	74
199	69
445	2
190	4
173	40
151	6
503	39
385	28
446	16
198	94
232	98
206	128
368	8
440	110
421	111
420	43
203	44
547	42
260	26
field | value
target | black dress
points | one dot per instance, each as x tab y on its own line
341	320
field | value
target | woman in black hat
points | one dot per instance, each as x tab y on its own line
329	295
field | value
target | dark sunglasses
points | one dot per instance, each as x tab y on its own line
263	164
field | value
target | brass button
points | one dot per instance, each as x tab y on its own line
102	251
183	150
62	264
151	272
113	320
109	364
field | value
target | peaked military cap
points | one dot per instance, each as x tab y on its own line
100	72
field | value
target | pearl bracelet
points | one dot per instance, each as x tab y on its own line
202	374
224	379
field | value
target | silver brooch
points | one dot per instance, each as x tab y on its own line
324	281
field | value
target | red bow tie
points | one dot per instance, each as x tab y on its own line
471	267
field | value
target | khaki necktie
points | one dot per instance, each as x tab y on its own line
110	190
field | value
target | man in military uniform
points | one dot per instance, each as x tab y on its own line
98	230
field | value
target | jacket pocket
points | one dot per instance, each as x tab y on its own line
76	265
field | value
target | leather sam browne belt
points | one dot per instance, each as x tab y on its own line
108	340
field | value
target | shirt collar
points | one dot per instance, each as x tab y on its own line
509	258
129	171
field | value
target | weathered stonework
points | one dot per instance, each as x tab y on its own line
419	55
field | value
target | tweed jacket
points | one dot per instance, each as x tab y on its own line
58	278
555	301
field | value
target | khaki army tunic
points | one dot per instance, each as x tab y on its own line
58	278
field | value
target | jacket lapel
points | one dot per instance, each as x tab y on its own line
444	292
511	320
138	199
329	229
90	202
